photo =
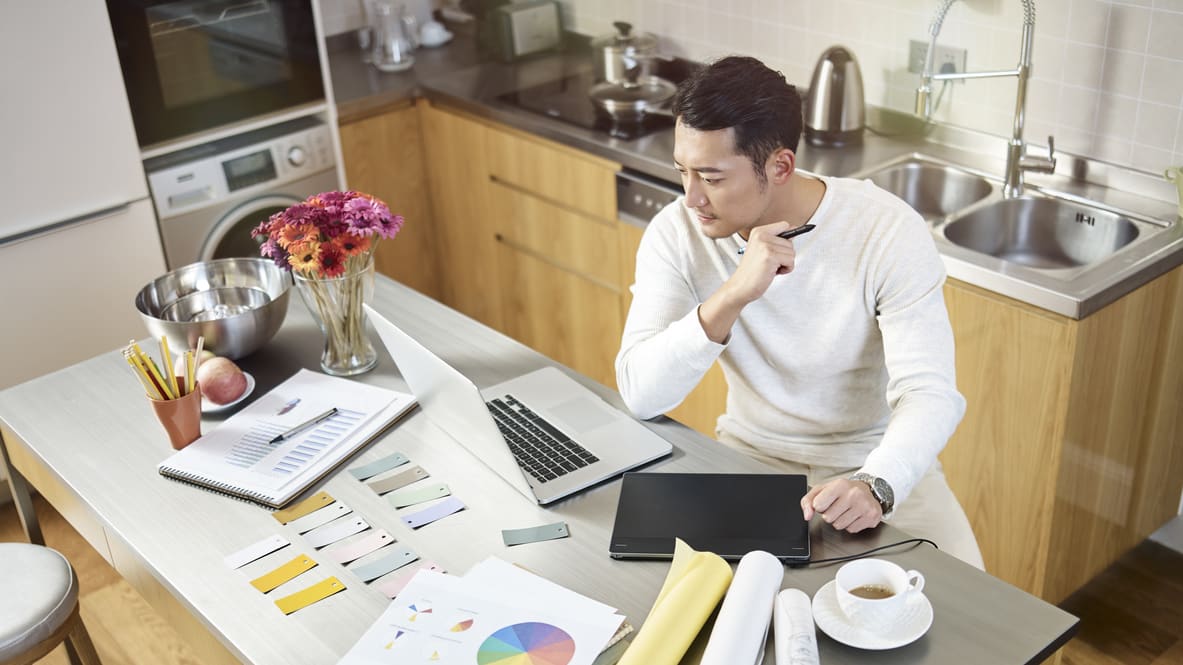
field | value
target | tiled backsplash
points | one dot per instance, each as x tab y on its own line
1107	76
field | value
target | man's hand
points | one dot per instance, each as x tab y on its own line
765	257
846	505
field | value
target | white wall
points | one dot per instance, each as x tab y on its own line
1107	75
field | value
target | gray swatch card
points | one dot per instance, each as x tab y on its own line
535	534
378	466
393	560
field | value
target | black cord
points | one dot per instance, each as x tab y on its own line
851	557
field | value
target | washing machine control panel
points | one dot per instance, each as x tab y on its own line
258	160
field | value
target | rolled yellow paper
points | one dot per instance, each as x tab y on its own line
693	587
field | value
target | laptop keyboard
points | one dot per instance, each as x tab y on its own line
539	447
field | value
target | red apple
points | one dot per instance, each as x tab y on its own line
221	380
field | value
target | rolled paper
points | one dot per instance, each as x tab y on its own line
693	587
742	625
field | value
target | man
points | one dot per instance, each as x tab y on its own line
836	344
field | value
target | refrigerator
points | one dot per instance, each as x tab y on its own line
78	234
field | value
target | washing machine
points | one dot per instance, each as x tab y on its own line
209	197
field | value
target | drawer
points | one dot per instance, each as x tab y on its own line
568	240
564	176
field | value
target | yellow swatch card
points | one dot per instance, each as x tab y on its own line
693	587
305	597
296	511
284	573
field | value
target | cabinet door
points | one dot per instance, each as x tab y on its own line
384	157
458	176
703	406
1014	366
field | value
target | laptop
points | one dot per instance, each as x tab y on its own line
543	432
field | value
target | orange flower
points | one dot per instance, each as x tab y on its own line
297	234
353	245
305	257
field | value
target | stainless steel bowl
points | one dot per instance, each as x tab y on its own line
236	304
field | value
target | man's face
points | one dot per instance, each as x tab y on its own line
722	189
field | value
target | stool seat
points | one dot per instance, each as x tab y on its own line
38	597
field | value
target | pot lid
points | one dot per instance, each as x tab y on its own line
624	39
649	90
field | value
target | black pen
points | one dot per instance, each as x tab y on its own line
303	426
791	233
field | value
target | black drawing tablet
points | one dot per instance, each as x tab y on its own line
729	514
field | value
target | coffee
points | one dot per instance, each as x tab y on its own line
872	591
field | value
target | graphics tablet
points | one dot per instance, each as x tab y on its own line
729	514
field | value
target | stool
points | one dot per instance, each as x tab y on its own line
39	607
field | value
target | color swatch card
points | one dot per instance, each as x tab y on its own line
440	619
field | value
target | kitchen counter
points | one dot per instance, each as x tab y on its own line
457	76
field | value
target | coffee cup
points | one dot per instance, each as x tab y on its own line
874	593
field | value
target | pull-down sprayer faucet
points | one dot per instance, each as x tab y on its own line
1017	161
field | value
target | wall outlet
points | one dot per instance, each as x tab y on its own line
948	58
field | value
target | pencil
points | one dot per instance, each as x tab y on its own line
143	371
167	359
153	370
149	389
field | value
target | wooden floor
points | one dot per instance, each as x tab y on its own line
1131	614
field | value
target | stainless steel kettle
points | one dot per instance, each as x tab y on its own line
835	113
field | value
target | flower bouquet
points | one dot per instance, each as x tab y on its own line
327	242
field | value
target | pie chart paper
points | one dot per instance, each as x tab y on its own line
531	643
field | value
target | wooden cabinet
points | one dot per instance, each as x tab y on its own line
1069	451
554	212
458	179
384	157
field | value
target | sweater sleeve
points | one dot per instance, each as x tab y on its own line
918	352
664	351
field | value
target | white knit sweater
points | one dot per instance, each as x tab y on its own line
845	362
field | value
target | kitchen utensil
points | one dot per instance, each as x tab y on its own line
623	52
631	102
236	304
392	49
835	113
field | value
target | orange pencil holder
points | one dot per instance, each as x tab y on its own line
180	417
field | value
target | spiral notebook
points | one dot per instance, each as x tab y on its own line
241	457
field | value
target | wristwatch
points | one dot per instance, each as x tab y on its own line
879	489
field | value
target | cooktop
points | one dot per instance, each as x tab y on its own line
567	99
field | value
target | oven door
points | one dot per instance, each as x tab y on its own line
194	65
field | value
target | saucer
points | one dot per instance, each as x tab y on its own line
209	407
833	622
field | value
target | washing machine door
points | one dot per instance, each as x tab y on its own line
231	235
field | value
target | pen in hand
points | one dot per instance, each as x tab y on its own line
303	426
791	233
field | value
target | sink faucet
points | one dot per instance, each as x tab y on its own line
1017	159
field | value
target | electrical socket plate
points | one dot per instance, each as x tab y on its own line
945	56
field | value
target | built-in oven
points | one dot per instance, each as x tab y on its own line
195	65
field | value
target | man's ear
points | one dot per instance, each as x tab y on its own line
781	165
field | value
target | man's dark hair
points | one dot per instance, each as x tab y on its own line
743	93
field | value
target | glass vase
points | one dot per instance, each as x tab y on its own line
336	303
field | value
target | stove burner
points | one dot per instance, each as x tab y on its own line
567	99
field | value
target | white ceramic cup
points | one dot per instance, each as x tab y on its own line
878	615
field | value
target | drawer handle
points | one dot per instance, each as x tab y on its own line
539	256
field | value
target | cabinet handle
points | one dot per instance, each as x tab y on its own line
549	201
539	256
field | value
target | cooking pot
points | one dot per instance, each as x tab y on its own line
631	101
623	53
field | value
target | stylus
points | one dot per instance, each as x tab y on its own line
792	233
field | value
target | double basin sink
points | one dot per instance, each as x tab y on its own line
1052	250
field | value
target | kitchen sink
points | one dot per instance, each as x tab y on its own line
1044	233
934	189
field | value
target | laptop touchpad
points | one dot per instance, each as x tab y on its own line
582	414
